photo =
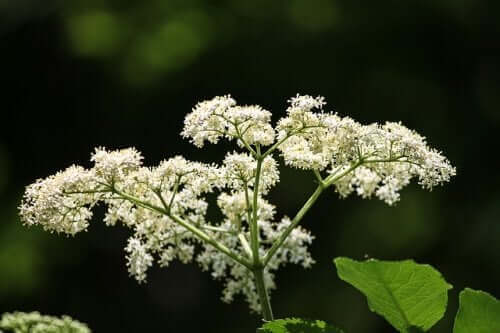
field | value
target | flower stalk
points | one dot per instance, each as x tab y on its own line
165	206
267	312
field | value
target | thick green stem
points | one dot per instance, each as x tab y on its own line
267	311
255	226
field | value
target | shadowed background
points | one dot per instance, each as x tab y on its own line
85	73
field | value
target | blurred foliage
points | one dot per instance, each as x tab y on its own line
298	325
148	42
84	73
4	168
20	261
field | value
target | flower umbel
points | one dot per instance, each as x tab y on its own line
165	206
34	322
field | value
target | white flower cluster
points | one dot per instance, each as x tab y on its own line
221	117
46	202
166	206
238	278
383	158
146	200
240	170
34	322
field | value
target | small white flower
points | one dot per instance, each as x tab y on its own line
115	165
241	168
207	120
48	202
138	259
234	206
221	117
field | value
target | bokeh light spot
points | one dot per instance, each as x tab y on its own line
96	33
315	15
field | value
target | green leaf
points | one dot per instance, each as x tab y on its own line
410	296
298	325
479	312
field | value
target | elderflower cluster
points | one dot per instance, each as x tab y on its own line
165	206
34	322
221	117
240	170
382	158
47	202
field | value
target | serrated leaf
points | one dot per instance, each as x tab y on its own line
479	312
298	325
411	297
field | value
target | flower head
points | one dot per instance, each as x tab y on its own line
34	322
221	117
241	169
60	202
207	121
115	165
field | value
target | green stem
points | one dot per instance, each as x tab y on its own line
203	236
318	178
240	137
174	192
287	136
267	312
277	244
245	245
209	227
333	178
255	226
324	183
249	212
276	145
197	232
327	182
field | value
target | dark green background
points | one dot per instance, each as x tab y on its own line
79	74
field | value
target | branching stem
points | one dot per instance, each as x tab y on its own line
254	222
296	220
197	232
